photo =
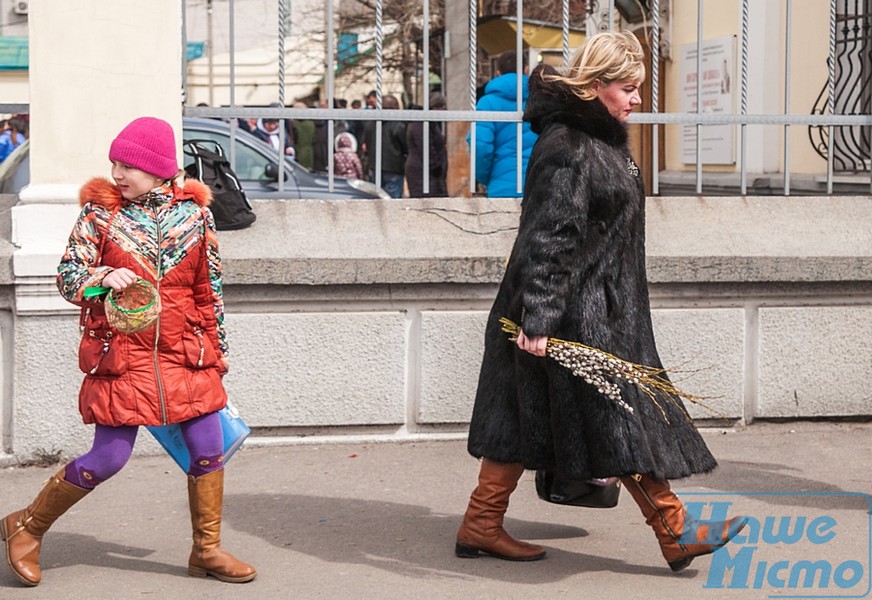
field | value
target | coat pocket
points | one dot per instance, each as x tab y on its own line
100	350
199	351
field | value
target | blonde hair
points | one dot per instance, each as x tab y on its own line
608	56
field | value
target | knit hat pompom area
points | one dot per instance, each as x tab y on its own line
149	144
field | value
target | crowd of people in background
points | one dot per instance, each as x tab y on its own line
355	149
395	160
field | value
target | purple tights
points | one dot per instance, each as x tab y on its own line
114	445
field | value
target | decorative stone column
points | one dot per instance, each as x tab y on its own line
94	66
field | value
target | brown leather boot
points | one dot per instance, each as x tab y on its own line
206	497
681	538
482	527
23	530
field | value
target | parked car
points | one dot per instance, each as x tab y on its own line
256	166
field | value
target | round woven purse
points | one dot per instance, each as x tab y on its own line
133	309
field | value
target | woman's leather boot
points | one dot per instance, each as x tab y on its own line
681	538
206	497
23	530
482	527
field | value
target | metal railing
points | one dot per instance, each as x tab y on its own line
838	122
853	76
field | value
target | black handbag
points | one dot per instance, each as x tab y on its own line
553	487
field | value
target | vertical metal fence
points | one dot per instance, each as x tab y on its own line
838	122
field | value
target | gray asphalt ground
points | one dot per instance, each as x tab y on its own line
377	521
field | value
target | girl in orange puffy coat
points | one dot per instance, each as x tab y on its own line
147	225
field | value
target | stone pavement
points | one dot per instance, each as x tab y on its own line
377	521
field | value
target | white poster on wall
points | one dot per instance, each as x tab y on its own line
718	144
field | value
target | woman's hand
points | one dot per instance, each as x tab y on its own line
533	345
118	279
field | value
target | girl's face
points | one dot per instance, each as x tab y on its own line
619	97
133	182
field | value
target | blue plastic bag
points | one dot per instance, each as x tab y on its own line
232	426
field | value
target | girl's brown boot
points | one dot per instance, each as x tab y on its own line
23	530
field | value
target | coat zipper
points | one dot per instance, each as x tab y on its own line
160	391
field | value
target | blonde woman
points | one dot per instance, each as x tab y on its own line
577	272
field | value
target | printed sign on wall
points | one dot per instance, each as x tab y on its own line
718	145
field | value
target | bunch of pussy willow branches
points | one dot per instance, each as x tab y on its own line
605	371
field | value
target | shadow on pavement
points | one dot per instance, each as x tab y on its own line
62	549
405	539
781	485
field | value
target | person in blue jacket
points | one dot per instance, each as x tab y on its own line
13	136
496	142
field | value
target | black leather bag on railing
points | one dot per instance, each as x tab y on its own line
554	488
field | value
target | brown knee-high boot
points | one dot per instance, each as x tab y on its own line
482	527
206	497
23	530
681	537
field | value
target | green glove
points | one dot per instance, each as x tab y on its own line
94	292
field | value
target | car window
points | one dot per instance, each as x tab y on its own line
250	164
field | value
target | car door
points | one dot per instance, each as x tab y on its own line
250	163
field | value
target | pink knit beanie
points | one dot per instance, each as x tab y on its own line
148	144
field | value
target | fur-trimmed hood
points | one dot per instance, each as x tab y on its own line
553	101
105	193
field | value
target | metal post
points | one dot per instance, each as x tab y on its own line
211	56
787	37
473	76
699	95
425	127
655	98
379	68
743	183
831	91
280	163
519	97
329	27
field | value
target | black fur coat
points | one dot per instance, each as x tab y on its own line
577	272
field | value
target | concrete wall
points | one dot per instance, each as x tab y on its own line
363	319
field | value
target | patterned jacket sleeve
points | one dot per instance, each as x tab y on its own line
215	281
79	268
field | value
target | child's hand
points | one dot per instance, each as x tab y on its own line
119	279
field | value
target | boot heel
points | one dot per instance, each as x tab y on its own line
196	571
464	551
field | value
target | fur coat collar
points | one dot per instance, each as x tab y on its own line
103	192
553	102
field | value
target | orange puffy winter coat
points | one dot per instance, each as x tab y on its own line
170	372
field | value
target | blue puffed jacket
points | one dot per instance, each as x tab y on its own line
496	142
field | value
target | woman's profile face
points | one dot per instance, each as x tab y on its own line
619	97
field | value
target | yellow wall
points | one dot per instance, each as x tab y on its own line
809	49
